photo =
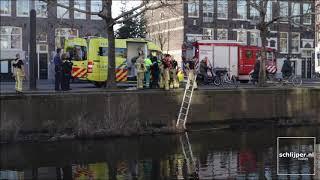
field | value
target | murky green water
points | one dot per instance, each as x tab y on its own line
223	154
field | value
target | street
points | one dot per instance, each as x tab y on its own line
48	86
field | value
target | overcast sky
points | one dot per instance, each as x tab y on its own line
117	4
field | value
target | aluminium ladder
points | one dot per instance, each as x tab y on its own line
186	101
188	156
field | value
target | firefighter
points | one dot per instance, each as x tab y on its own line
19	73
191	71
161	74
166	71
148	63
173	73
141	69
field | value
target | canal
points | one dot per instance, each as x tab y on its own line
233	153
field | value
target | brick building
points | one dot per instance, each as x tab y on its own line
175	27
317	57
53	25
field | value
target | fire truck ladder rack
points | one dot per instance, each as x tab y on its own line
188	155
186	101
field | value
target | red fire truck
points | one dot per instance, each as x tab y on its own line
235	56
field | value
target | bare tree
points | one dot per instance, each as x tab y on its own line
264	22
106	15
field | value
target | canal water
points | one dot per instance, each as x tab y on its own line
206	154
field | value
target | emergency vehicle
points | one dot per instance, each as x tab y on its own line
239	59
90	57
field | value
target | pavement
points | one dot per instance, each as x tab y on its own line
47	86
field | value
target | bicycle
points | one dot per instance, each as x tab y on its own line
292	79
225	78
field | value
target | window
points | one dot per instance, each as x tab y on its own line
41	8
193	8
207	33
103	51
307	11
242	36
79	4
295	42
284	10
254	38
269	12
241	9
223	9
63	12
64	33
22	7
208	11
254	13
295	10
11	37
283	42
121	52
5	7
222	34
96	6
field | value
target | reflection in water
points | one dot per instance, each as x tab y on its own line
203	155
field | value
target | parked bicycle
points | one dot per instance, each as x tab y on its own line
293	80
225	78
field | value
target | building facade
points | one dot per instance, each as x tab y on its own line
173	28
317	27
54	24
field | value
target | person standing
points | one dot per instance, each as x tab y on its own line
147	63
66	72
141	69
191	71
204	70
166	71
286	68
174	68
19	73
58	70
155	72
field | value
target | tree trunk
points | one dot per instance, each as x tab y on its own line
262	72
111	81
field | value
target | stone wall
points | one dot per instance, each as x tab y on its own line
125	113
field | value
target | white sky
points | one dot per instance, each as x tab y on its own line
117	4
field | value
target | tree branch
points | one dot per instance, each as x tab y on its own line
73	8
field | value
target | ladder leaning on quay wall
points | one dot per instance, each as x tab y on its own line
186	101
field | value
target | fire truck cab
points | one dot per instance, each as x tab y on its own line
239	59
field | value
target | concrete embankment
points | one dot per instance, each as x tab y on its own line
99	114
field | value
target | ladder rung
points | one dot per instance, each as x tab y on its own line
183	107
183	114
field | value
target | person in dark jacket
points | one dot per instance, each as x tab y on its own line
66	72
256	70
155	72
58	70
286	68
204	70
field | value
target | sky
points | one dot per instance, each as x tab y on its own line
117	4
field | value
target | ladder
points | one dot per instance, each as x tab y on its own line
186	101
188	156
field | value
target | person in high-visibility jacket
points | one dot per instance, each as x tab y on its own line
141	69
173	72
147	63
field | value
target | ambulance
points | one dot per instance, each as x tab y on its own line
90	57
